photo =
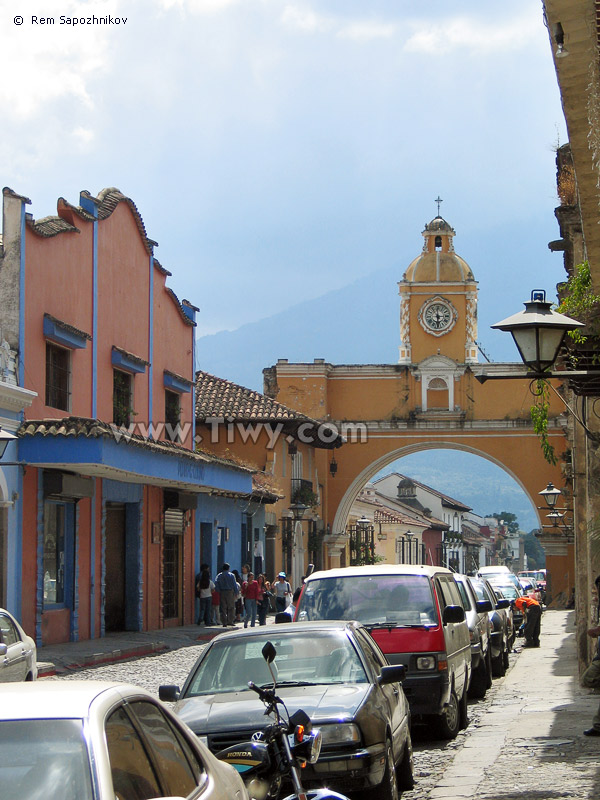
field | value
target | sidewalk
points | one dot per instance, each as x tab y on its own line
57	658
530	744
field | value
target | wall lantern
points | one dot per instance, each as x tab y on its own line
333	467
298	510
550	495
5	439
538	332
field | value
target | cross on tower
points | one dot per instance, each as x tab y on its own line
438	200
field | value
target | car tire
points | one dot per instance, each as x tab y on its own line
488	664
388	788
505	660
447	724
500	662
405	776
479	679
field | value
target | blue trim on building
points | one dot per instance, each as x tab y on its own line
22	301
175	384
122	361
146	464
90	205
39	589
62	335
93	565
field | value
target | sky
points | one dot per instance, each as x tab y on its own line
280	152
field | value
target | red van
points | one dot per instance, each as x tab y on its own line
416	616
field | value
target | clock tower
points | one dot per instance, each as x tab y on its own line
438	302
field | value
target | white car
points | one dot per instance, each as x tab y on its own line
18	657
89	740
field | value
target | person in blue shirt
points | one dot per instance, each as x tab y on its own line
227	586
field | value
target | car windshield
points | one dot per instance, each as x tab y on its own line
402	600
44	758
508	590
303	658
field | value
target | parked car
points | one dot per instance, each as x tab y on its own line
538	575
510	592
415	615
480	632
335	672
499	574
502	635
18	658
531	588
88	740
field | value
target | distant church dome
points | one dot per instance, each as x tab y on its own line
438	262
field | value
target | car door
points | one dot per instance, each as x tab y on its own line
392	694
456	635
13	665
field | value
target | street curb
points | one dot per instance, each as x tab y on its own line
47	669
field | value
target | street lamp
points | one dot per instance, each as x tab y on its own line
298	510
409	534
538	332
5	439
550	495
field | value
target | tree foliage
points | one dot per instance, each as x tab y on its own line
511	522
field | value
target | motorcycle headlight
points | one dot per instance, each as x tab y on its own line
340	733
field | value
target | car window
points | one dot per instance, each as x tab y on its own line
481	592
178	765
44	759
399	599
464	595
133	775
323	657
8	633
371	652
449	591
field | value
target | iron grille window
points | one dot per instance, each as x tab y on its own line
58	377
121	398
172	562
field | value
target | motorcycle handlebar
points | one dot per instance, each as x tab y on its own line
266	695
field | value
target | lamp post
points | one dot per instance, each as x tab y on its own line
362	544
409	534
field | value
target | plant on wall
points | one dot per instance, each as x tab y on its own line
578	301
539	417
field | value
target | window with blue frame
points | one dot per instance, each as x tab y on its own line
57	563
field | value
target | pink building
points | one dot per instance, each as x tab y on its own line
102	533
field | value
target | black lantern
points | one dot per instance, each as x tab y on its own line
333	467
538	332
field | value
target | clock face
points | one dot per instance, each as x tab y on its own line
437	317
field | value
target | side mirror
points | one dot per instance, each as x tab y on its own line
392	674
283	616
269	653
453	614
504	603
169	693
3	649
483	606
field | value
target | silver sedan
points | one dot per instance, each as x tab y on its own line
88	740
17	651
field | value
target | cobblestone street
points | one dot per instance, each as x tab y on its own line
524	740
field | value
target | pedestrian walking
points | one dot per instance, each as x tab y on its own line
282	591
264	599
227	586
206	588
533	618
250	593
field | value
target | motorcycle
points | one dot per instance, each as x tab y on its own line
276	755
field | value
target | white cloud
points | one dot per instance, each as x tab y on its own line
199	6
83	137
305	19
366	31
468	35
49	62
